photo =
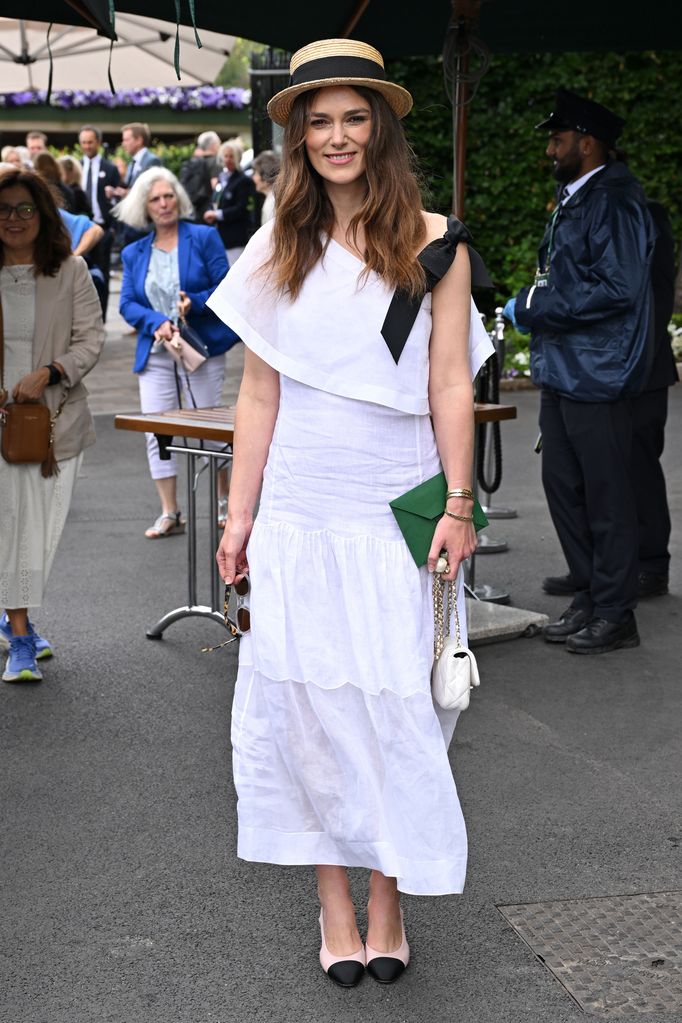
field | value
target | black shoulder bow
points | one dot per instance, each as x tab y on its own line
436	259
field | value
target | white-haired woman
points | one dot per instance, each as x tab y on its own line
233	202
11	156
171	272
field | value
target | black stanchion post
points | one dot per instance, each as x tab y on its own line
497	338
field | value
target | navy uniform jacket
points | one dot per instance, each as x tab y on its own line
592	326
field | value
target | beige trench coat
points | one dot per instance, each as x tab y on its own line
69	330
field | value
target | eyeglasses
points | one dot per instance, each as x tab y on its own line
24	211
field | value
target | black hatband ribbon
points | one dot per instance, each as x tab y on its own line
436	259
337	67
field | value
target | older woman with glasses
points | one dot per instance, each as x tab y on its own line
51	335
171	272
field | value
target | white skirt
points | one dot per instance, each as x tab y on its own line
33	511
340	756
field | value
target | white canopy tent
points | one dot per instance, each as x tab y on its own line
142	57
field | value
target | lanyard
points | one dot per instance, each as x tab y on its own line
552	230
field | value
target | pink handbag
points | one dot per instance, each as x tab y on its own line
185	354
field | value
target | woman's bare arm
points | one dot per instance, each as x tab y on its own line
452	406
257	407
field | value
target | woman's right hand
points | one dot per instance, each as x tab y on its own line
32	386
231	553
164	332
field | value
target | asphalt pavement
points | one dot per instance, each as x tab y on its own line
122	897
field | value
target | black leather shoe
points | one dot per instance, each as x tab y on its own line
559	585
572	620
650	584
600	636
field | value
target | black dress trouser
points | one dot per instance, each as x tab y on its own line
650	411
586	473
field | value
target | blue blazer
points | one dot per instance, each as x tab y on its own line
202	264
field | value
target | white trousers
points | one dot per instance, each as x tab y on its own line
159	393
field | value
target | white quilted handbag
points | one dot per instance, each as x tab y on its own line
455	672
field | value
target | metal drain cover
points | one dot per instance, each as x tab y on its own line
615	956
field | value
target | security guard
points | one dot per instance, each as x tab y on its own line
650	412
590	314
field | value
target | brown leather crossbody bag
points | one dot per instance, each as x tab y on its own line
26	428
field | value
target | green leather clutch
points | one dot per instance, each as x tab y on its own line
418	511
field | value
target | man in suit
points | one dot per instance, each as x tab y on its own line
36	142
198	174
100	178
135	139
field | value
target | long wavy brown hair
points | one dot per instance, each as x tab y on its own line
53	244
390	213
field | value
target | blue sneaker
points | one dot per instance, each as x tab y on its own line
43	646
21	664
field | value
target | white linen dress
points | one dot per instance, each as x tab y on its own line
340	756
33	509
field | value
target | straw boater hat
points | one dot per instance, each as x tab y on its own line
337	62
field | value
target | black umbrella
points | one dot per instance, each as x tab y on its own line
402	29
410	29
65	12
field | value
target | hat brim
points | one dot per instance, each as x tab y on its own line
554	123
280	106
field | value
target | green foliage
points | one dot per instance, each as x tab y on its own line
675	330
235	71
509	188
173	156
517	352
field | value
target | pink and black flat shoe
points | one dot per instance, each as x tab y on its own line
346	971
386	967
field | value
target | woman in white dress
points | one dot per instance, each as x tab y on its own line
340	757
52	336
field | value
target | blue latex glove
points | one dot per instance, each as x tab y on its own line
509	312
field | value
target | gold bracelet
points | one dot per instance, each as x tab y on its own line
460	492
460	518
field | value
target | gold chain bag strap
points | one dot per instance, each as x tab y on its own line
27	428
455	672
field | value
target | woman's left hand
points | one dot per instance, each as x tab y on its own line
32	386
458	539
184	304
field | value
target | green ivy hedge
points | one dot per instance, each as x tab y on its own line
509	185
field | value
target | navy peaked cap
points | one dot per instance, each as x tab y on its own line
575	113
